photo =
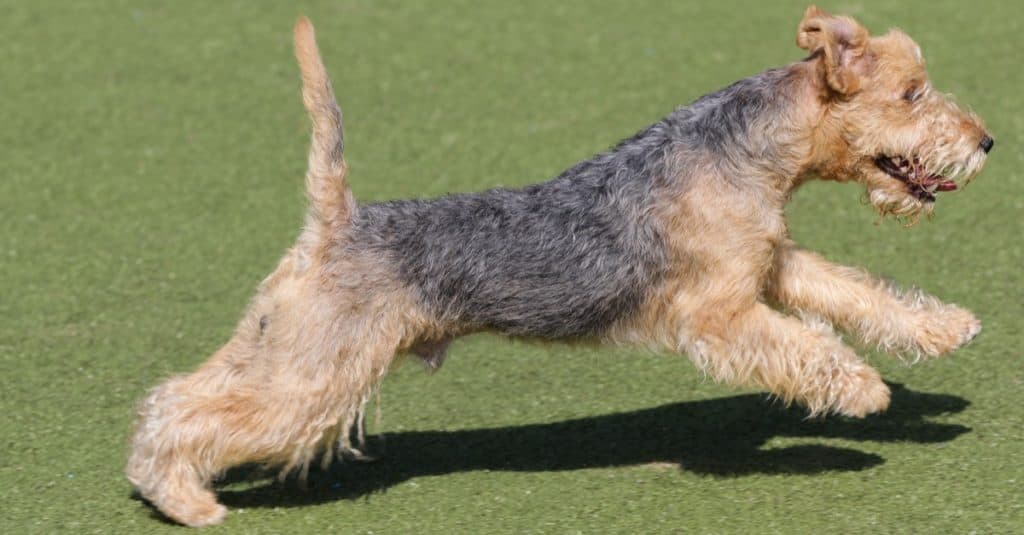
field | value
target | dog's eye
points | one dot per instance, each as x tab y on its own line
912	94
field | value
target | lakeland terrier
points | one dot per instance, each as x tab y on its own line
674	239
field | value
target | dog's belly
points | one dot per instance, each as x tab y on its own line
542	262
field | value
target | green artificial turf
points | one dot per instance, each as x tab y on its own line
152	155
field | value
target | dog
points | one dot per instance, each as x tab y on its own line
674	239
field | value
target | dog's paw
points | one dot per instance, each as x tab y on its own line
209	515
945	328
860	393
194	507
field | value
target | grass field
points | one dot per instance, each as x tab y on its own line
152	156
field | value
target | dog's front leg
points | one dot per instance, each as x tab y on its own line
763	347
874	311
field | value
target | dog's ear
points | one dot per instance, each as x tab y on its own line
841	42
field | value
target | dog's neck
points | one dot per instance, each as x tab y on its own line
776	113
795	131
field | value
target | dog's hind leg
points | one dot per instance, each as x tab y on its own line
192	428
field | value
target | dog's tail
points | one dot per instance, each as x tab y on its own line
331	201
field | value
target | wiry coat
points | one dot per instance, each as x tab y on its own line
569	257
675	238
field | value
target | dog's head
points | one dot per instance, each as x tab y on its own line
884	125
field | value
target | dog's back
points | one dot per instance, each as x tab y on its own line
565	258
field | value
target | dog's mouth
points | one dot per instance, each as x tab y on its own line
922	183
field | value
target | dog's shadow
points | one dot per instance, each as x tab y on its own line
720	437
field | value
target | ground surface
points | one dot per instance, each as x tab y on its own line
152	157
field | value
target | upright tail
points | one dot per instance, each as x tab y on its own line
331	201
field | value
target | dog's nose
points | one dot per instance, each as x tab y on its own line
987	143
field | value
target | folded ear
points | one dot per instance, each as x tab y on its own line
841	41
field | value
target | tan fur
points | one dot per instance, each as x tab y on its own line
325	326
857	123
282	395
714	307
279	398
